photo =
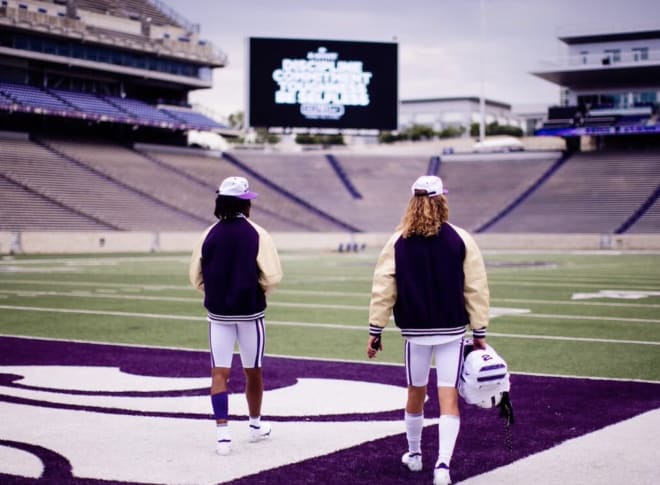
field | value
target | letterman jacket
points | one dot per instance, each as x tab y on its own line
235	264
434	285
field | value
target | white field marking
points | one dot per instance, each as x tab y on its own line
303	357
616	294
624	452
292	291
114	296
495	311
99	288
100	260
139	449
97	284
334	326
569	284
572	339
305	397
586	317
579	303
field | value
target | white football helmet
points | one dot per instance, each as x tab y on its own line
484	378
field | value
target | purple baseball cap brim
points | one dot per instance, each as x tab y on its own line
248	195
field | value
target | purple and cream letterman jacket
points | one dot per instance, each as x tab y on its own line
434	285
235	264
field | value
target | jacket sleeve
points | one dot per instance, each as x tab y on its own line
195	267
383	288
476	292
268	261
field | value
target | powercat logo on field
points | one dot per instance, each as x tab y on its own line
93	413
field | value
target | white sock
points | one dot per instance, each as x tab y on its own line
414	426
255	422
222	432
448	427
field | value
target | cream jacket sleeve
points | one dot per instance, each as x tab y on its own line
383	288
476	292
268	260
195	268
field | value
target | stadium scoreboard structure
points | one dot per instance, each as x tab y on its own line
305	83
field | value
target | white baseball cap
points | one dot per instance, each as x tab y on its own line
429	184
236	187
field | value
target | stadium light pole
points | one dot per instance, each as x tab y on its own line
482	98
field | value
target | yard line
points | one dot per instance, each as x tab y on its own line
334	326
572	339
115	296
320	305
96	261
97	284
579	303
565	284
585	317
173	287
344	307
493	282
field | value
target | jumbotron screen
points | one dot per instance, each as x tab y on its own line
302	83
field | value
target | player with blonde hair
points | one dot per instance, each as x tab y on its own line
431	276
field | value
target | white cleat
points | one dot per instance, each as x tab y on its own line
441	475
412	460
223	447
261	432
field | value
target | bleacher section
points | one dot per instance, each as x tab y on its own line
59	102
140	110
192	119
481	189
67	184
144	175
591	192
649	222
24	210
272	209
92	105
85	191
35	99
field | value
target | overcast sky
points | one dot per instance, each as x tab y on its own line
439	40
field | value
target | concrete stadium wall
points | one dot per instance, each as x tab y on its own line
143	242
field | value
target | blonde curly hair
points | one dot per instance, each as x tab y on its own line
424	216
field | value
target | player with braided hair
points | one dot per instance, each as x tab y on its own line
431	275
235	264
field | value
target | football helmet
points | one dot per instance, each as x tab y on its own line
484	379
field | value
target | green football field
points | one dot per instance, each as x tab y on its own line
580	314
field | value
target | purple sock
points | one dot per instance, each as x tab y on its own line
220	402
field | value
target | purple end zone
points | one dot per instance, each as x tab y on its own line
548	411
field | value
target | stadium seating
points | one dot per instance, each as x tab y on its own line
97	184
146	113
592	192
140	173
649	222
86	191
273	209
193	119
35	98
24	210
92	105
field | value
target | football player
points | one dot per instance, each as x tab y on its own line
431	275
235	264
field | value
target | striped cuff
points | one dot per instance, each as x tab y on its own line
479	332
375	330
